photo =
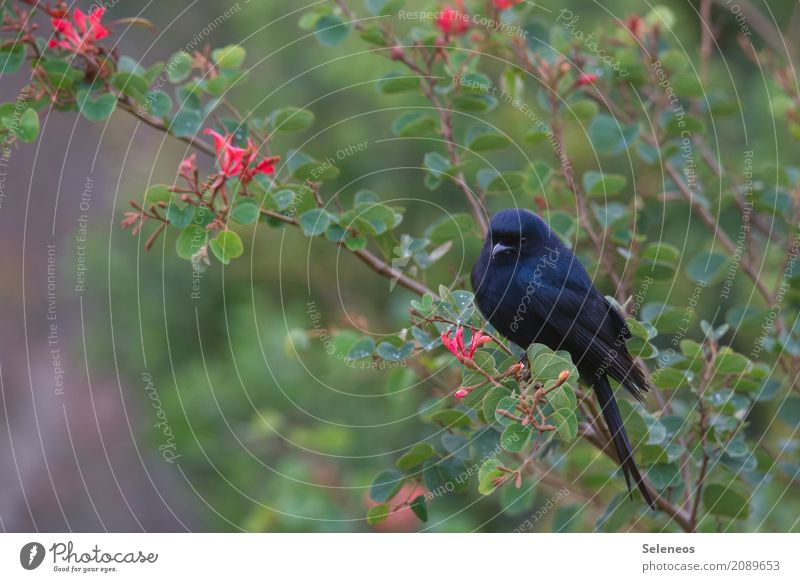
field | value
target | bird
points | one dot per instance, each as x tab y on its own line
532	289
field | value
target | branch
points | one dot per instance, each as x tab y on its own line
375	263
157	124
769	33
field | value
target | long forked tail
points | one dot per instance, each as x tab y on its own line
605	396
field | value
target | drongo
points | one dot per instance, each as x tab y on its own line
532	289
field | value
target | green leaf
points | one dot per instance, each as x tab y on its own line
475	103
179	67
96	109
671	378
662	252
537	134
157	193
620	510
151	74
729	362
563	397
548	365
451	419
180	216
601	184
28	129
229	57
414	123
687	85
363	348
386	485
492	399
508	405
290	119
721	500
186	123
377	515
488	472
11	58
283	198
506	182
515	437
392	353
416	456
373	35
398	83
331	31
131	84
609	137
190	240
314	222
355	243
383	8
449	473
664	475
60	74
158	103
226	246
419	507
565	422
304	167
708	267
365	197
245	211
451	227
583	110
481	138
691	349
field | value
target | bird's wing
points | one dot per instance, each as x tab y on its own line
593	331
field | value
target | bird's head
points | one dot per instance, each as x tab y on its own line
515	233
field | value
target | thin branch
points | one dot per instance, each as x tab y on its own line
157	124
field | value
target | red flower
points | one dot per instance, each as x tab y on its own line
462	393
235	162
634	24
505	4
80	35
453	21
586	79
456	345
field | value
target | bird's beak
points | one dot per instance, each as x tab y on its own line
500	248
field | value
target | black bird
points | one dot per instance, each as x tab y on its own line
532	289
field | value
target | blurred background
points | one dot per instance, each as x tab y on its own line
137	396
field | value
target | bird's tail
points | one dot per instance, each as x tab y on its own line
605	396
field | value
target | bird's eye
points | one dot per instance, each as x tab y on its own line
522	241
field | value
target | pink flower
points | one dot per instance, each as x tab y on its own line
585	79
188	167
453	21
80	35
462	393
505	4
456	344
235	162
